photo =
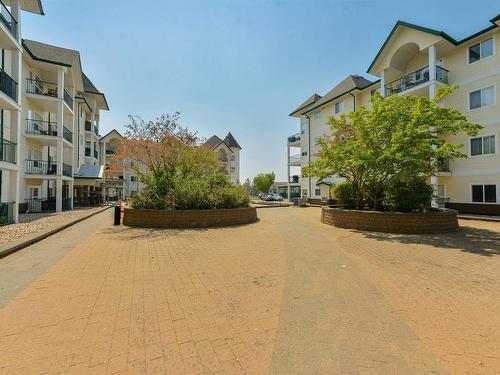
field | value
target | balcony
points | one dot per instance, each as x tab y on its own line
294	179
6	213
68	99
40	127
7	85
67	134
41	167
7	151
67	170
415	79
110	151
294	160
38	87
294	138
8	20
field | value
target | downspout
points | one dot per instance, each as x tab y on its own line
354	99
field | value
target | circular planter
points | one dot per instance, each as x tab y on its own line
189	218
442	221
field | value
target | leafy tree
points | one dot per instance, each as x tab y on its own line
399	137
264	181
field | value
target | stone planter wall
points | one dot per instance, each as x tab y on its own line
189	218
442	221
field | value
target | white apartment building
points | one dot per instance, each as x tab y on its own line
45	99
227	151
415	60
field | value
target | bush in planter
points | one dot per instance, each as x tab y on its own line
408	193
343	192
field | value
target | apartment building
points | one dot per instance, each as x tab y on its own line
227	151
121	181
45	101
415	60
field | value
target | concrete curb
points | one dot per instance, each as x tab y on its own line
10	249
479	218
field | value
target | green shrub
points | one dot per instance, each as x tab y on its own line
343	192
408	193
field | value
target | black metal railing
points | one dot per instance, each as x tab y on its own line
294	179
41	167
110	151
96	154
68	99
7	85
414	79
67	134
41	205
7	151
67	170
38	87
41	127
66	204
294	138
6	213
8	20
87	151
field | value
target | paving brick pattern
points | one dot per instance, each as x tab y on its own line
286	295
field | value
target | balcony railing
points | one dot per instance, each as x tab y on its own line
41	127
41	204
67	134
67	170
96	154
68	99
38	87
294	179
7	151
7	85
415	79
294	138
110	151
6	213
66	204
443	165
8	20
41	167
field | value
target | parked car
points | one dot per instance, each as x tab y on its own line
275	197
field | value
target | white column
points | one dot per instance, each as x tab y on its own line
432	71
14	187
70	194
15	10
382	82
59	147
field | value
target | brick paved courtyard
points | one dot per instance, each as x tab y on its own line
287	295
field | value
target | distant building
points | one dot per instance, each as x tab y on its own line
228	155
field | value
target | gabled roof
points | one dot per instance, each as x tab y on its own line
231	142
435	32
111	132
51	54
212	142
350	83
311	100
89	87
90	171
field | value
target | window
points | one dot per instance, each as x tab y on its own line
317	191
316	140
481	50
233	157
304	150
133	178
339	107
485	145
304	193
484	193
482	98
317	115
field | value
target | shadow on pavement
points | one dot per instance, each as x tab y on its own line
472	240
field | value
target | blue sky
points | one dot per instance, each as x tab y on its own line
238	66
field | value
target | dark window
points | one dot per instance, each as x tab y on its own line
477	193
476	146
490	193
475	53
318	192
475	99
